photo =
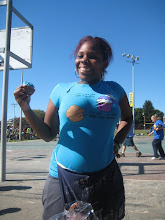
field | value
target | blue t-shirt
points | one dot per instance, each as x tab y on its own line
88	115
160	133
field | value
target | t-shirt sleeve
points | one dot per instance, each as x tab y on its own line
117	89
55	95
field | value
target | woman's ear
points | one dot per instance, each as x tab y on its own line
105	64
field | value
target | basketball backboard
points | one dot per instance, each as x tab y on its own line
20	45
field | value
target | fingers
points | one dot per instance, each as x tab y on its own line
20	94
116	152
22	97
118	155
19	89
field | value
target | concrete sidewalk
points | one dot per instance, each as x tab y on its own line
144	186
27	169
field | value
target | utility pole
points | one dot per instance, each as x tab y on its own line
5	90
20	119
133	61
14	114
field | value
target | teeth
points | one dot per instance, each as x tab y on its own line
84	69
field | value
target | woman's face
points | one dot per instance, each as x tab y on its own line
153	119
89	63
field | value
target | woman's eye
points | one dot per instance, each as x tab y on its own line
79	56
92	57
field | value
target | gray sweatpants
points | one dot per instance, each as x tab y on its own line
51	198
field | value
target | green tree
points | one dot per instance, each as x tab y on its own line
25	122
148	110
159	113
139	116
139	119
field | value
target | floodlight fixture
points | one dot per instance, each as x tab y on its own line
133	58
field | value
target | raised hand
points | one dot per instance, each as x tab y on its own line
22	97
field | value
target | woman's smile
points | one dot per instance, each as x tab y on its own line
84	69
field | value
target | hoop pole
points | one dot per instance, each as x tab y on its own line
20	120
5	91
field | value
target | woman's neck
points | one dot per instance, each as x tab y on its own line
88	82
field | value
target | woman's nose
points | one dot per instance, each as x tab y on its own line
85	60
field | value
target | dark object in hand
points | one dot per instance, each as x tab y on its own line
29	88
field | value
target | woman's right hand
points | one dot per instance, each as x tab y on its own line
22	98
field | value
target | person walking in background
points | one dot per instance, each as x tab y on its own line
85	113
128	142
158	132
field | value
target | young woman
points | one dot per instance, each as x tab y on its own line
157	129
85	113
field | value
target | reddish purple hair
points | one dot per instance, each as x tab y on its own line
101	44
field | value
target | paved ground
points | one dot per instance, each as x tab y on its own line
27	168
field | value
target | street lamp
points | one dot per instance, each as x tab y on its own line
133	61
13	104
144	120
20	119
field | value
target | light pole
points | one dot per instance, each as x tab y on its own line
144	120
133	61
14	114
20	119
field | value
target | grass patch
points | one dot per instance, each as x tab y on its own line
145	132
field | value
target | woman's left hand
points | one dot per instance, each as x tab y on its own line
116	150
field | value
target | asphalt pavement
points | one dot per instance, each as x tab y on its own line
27	168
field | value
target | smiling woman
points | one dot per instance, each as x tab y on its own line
85	113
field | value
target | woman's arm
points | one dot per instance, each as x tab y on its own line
46	129
125	121
160	126
150	133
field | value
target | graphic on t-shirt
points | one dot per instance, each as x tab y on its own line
104	103
75	113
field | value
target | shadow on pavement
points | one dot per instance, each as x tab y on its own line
142	167
25	158
9	188
20	180
9	210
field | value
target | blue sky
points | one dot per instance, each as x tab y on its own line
131	26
